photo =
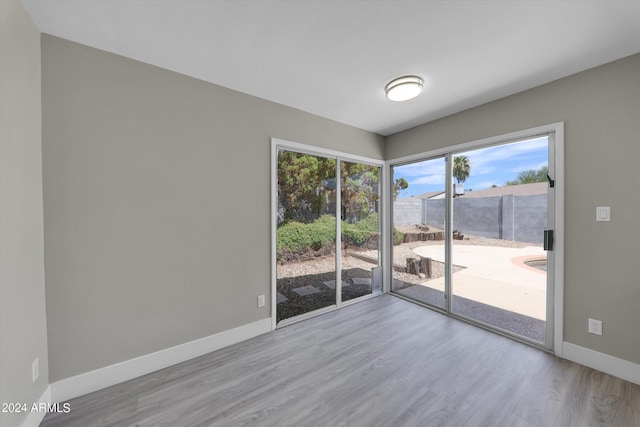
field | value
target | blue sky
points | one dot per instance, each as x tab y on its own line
489	166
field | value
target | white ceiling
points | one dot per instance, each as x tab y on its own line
333	58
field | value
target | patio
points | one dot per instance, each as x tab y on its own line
493	286
496	276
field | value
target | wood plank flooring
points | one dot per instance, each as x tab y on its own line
381	362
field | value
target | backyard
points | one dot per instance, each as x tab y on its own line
496	278
492	281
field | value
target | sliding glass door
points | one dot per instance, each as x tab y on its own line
327	231
360	229
499	223
472	232
419	229
306	230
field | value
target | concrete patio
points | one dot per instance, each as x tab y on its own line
495	276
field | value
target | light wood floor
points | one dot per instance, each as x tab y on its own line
381	362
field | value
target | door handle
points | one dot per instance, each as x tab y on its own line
548	240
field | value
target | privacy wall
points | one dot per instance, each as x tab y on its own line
508	217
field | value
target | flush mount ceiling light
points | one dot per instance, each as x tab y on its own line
404	88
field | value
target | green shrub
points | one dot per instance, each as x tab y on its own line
294	239
322	231
362	232
398	236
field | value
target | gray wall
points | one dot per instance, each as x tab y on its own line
407	211
521	218
529	218
156	193
600	108
478	216
23	333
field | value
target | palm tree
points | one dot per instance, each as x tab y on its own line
461	168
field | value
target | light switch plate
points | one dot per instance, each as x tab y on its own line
603	213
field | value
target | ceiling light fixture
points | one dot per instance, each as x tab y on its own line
404	88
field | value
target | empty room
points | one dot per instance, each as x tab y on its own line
319	213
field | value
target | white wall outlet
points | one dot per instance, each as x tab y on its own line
595	327
603	213
260	300
35	370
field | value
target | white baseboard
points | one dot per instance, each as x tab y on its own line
602	362
91	381
35	417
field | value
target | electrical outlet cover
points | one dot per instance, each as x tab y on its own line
595	326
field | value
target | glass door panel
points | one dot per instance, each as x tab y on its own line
360	230
419	217
499	216
305	234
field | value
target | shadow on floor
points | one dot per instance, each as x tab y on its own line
518	324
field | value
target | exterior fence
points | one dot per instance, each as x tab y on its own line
517	218
408	211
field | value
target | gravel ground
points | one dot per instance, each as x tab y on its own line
320	265
316	272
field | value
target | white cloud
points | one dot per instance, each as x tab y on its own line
430	179
502	152
531	166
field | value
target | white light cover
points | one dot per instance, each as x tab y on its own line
404	88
